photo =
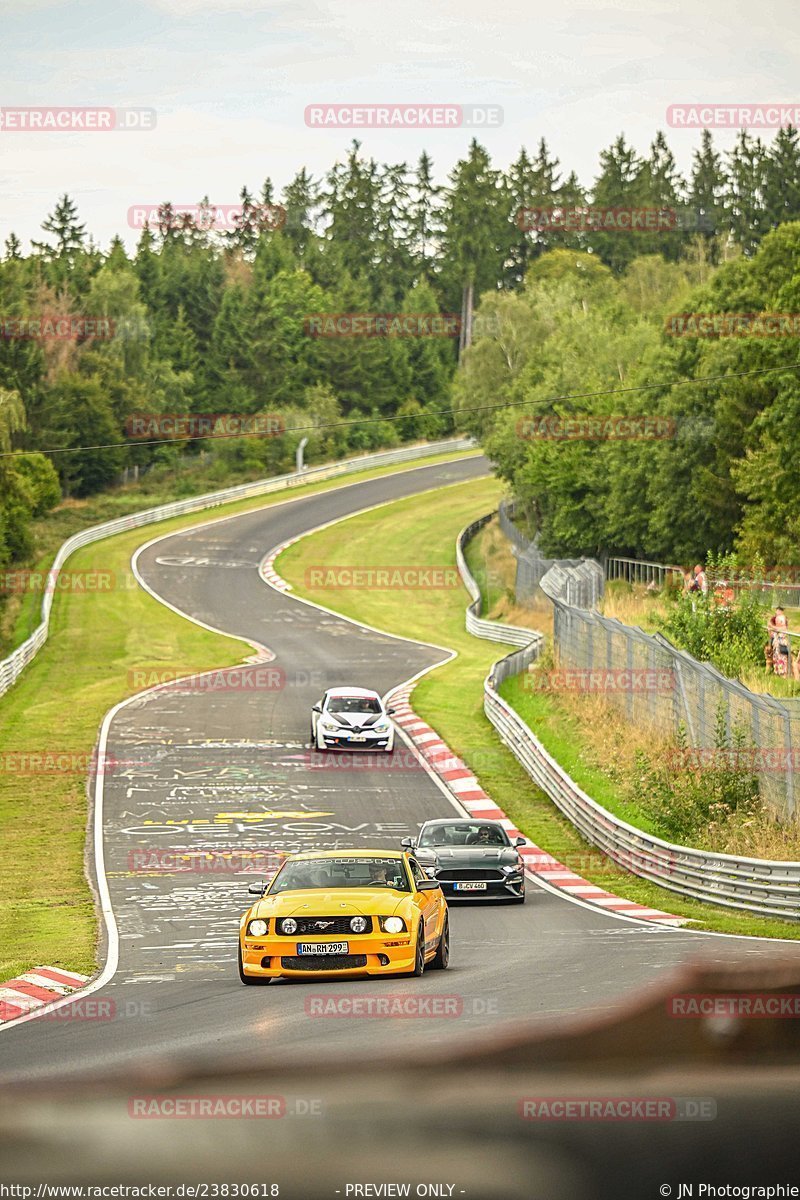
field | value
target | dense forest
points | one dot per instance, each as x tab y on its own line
210	322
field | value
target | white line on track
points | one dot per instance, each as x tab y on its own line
100	886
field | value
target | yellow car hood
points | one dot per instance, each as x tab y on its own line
332	902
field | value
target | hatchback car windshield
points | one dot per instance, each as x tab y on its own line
464	833
354	704
341	873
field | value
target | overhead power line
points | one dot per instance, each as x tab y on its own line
436	412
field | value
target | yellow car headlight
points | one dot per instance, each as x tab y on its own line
393	924
257	928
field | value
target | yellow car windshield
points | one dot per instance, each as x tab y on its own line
341	873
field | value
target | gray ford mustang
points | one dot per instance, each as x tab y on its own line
471	859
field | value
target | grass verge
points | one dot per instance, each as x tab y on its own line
451	697
96	641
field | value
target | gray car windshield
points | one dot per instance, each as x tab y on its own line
464	833
341	873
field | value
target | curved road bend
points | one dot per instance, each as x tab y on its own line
232	770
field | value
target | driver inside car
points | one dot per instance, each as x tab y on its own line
485	836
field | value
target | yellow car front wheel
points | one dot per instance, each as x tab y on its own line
248	979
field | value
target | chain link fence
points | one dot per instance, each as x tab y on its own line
579	580
653	683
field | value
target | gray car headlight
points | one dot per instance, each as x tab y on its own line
257	928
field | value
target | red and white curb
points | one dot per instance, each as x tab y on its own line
40	986
469	793
267	569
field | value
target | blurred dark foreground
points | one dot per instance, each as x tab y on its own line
702	1101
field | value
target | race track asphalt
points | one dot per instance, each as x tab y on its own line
231	771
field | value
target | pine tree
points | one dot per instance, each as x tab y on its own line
424	222
477	233
245	235
393	234
707	194
63	225
532	185
745	197
619	185
13	247
300	200
662	188
117	258
782	180
351	204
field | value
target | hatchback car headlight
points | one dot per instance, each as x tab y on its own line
257	928
381	726
358	924
287	925
393	924
326	724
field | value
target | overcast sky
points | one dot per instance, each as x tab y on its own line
230	81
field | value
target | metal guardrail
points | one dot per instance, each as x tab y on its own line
12	667
750	884
492	631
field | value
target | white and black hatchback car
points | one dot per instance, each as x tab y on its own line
349	718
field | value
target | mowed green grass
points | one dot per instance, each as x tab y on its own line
421	531
97	640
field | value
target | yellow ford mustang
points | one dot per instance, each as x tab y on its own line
345	912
